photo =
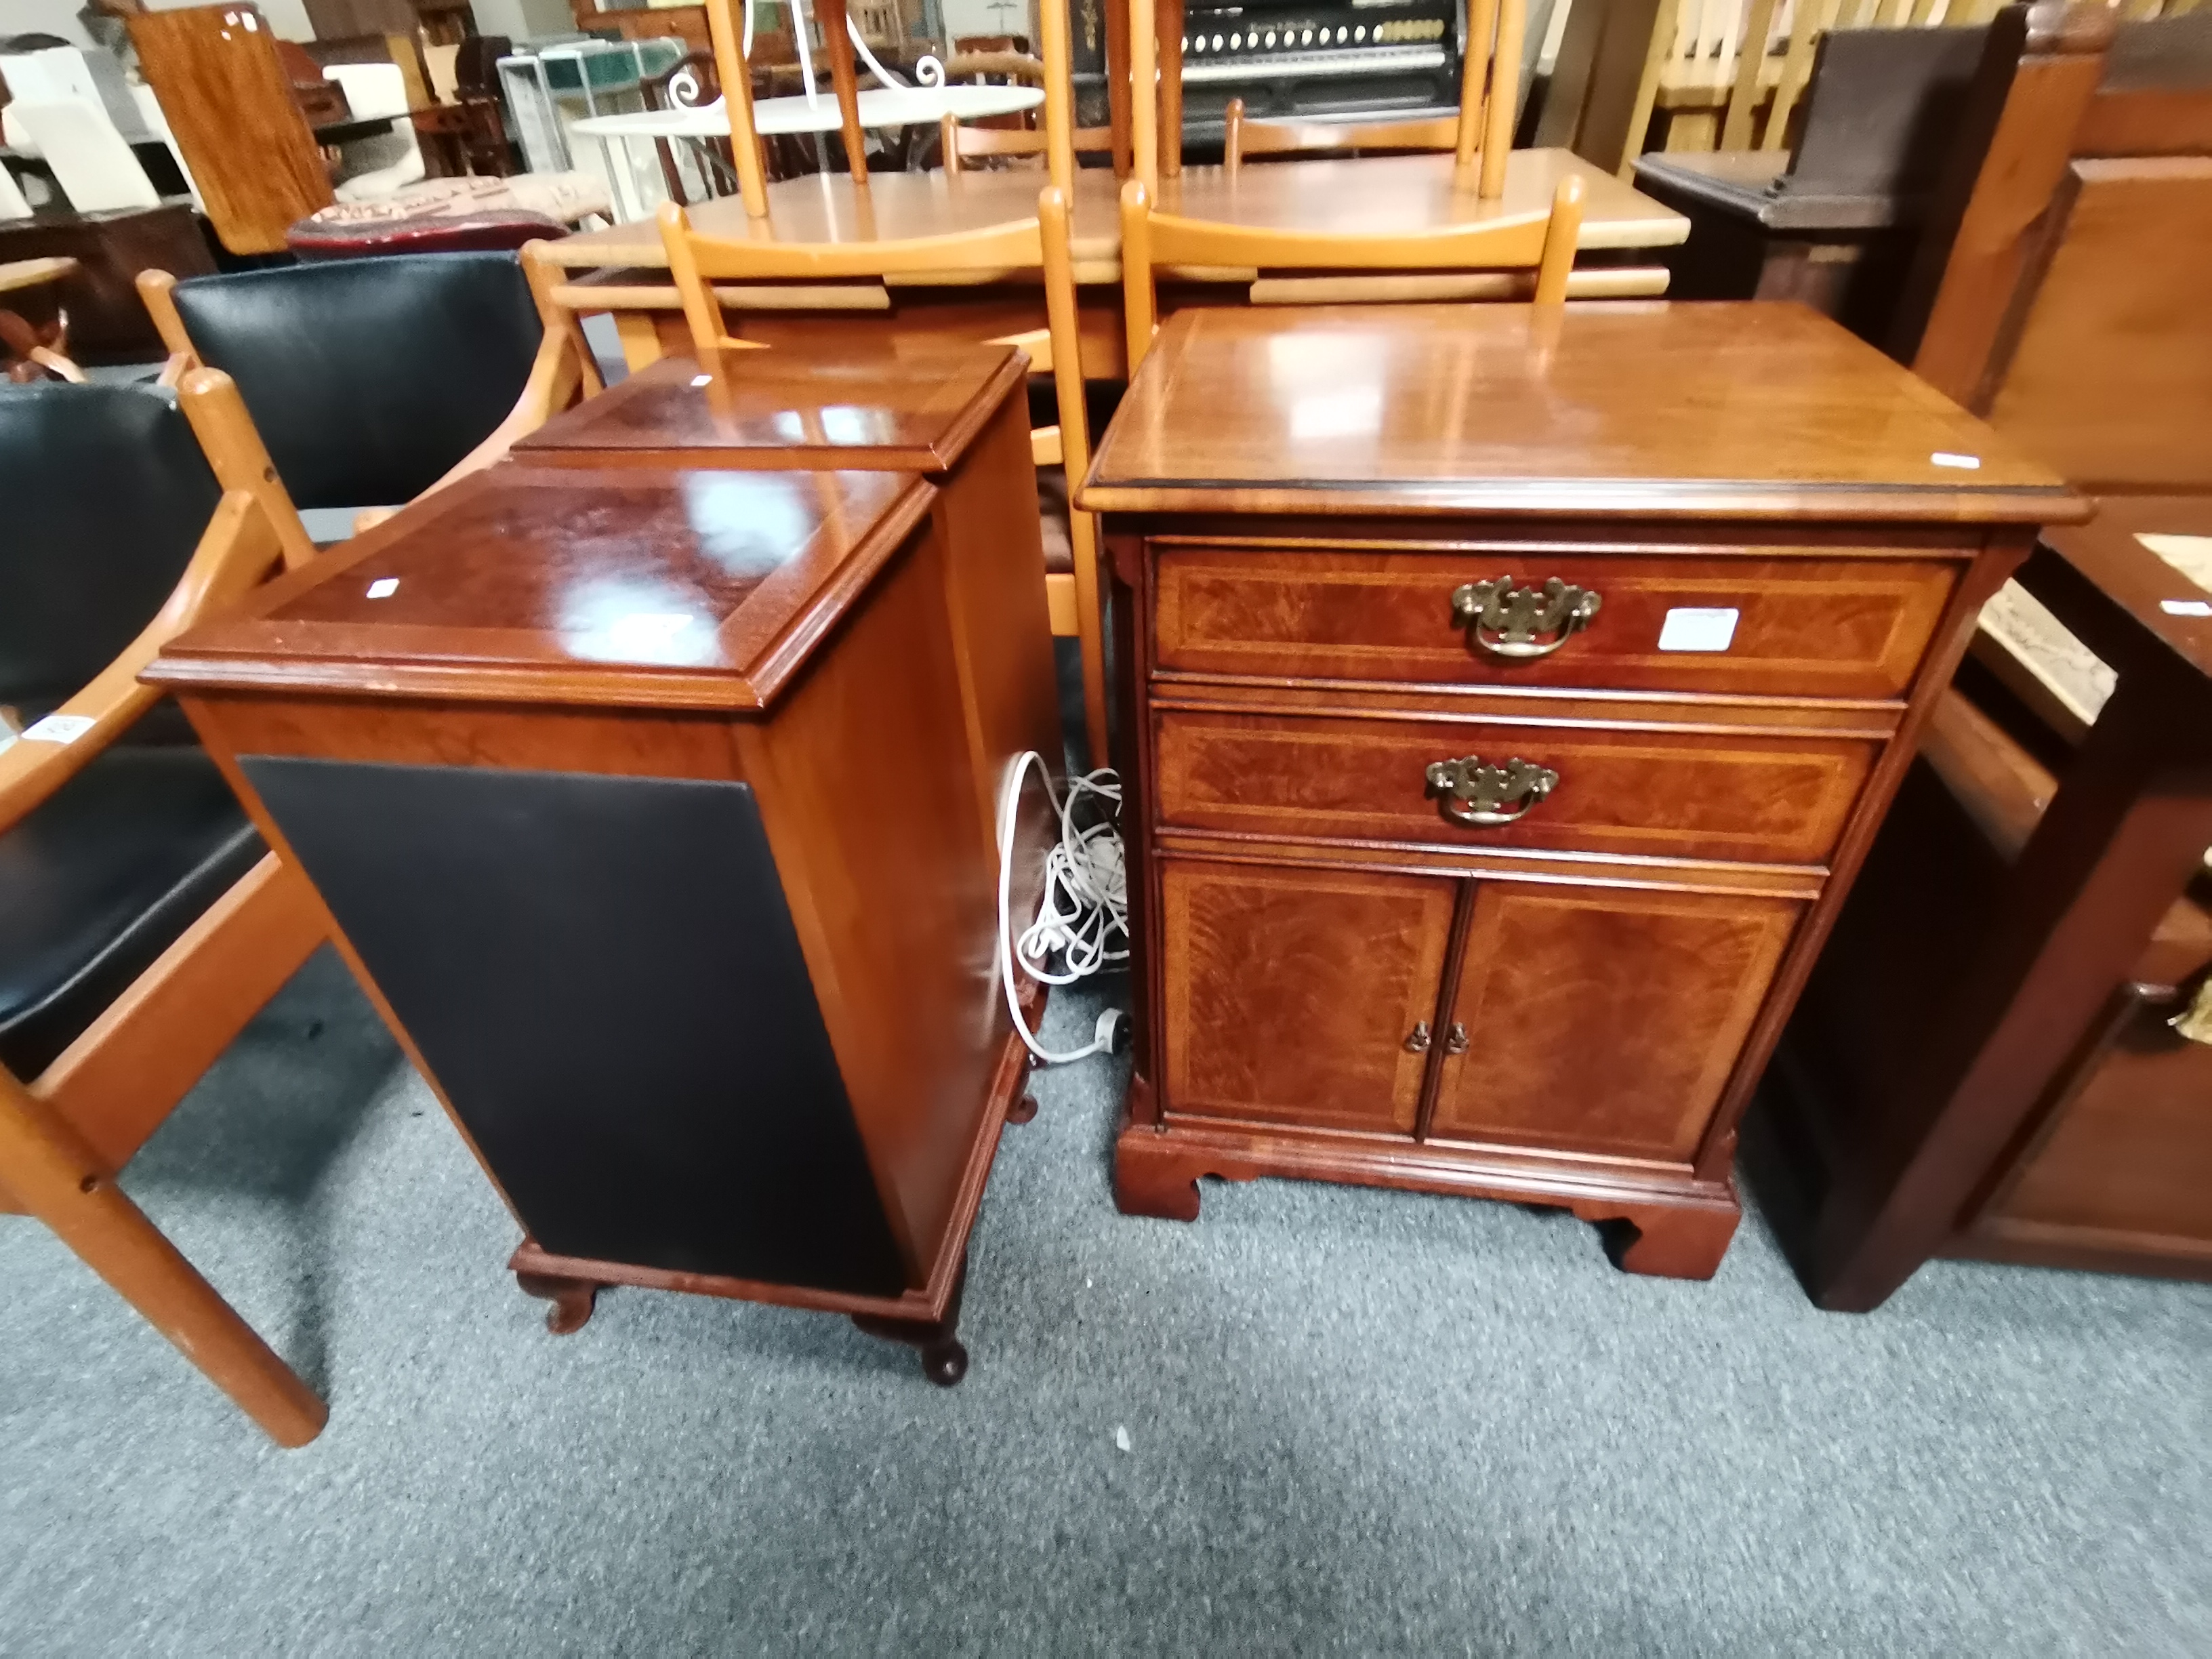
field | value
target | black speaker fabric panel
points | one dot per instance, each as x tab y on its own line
603	974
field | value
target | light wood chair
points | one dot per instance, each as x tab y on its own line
699	263
726	30
1728	74
1480	136
1542	243
1241	135
86	1076
962	144
217	84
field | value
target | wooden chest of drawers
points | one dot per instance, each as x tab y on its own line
1507	698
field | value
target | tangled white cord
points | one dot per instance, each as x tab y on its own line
1085	909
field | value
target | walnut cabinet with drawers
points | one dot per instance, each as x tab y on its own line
1506	697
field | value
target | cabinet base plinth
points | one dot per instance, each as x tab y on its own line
1654	1225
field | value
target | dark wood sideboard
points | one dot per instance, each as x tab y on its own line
644	804
1508	696
2015	1088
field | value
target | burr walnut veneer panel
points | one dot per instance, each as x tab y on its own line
1632	791
1836	621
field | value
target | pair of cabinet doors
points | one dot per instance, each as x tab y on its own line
1572	1017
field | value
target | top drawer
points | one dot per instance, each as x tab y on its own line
1832	626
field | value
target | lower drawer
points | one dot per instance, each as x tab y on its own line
1627	791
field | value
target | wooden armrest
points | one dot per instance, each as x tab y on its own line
2002	787
2005	791
238	550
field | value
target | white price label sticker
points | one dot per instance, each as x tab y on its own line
1964	462
1698	629
2186	607
58	728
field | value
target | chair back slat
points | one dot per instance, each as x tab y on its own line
962	144
1541	242
1480	136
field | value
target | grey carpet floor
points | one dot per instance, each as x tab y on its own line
1355	1423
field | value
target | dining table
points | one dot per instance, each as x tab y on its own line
622	270
880	109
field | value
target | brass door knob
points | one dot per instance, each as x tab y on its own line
1506	620
1417	1044
1472	791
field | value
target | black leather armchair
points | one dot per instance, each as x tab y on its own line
369	380
141	920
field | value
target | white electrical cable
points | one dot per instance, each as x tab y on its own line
1086	905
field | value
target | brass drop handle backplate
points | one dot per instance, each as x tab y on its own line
1417	1044
1473	791
1506	621
1455	1040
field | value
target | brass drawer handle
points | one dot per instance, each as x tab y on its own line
1456	1041
1417	1044
1472	791
1506	620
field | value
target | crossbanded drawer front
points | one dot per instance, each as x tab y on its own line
1850	627
1626	791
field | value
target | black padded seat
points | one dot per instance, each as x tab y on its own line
370	380
101	879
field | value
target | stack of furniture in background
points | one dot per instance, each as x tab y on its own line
229	102
113	199
2001	1054
1836	221
1689	76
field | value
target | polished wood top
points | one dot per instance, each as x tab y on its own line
1397	193
1743	411
649	589
913	412
2157	594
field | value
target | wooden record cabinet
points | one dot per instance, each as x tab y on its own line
1507	696
645	805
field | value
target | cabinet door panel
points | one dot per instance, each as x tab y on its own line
1290	994
1604	1020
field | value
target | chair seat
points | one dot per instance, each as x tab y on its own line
1052	518
99	880
451	215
